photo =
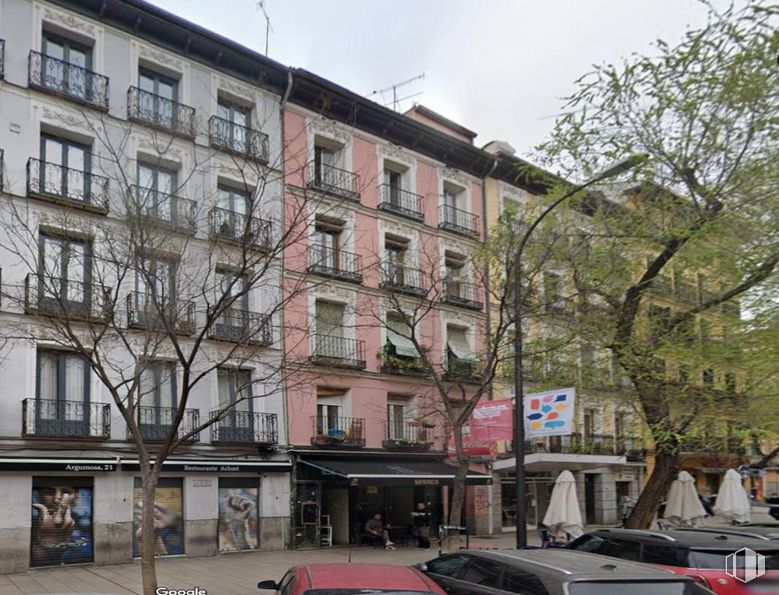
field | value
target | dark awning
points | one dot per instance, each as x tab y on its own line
404	472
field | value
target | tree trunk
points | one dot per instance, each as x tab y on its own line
148	538
458	493
666	466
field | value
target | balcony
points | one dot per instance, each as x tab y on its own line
166	209
401	202
241	326
154	423
45	418
338	431
161	113
337	352
334	180
71	81
714	446
67	186
159	314
462	370
686	292
460	293
401	365
335	263
402	279
238	139
231	226
245	427
594	444
408	436
65	299
458	221
632	448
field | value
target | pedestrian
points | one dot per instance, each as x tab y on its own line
626	505
421	519
375	528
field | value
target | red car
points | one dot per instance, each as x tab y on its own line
701	555
347	578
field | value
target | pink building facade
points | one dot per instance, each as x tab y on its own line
381	235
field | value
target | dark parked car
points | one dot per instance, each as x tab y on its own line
701	554
766	531
551	572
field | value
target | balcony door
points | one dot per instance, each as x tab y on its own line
330	330
328	419
64	169
157	399
62	395
155	292
232	289
232	205
64	272
157	101
394	182
235	386
233	126
325	167
396	415
59	55
156	186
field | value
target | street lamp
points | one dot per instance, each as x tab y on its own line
519	405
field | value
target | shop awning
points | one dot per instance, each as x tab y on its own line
458	345
405	472
398	334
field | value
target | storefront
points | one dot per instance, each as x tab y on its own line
335	496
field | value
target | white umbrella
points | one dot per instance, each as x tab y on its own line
732	500
683	507
563	515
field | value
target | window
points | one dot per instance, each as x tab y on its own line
587	357
684	373
64	271
58	54
232	199
233	125
552	295
325	167
452	196
329	409
481	571
396	415
155	280
708	378
156	187
455	266
589	424
660	554
158	385
399	337
447	565
393	180
326	243
157	100
730	383
62	392
65	167
235	385
518	580
458	348
329	319
608	546
659	318
619	429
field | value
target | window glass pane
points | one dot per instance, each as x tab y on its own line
657	554
54	156
167	397
54	49
223	111
77	57
223	383
146	83
147	387
52	257
53	151
47	375
520	581
145	177
165	89
75	388
447	565
483	572
76	272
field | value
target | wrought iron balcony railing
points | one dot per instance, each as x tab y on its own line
334	180
154	423
238	139
245	427
461	293
67	80
241	326
594	444
237	227
717	445
49	418
164	208
65	298
402	279
159	314
402	365
74	186
458	221
401	202
408	435
160	112
465	370
337	352
331	262
338	431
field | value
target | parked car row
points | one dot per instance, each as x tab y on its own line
602	562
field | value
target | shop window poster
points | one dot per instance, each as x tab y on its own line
61	525
168	519
238	518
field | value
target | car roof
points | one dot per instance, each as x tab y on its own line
764	533
572	565
356	575
710	538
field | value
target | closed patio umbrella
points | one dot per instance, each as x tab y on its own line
732	500
683	508
563	516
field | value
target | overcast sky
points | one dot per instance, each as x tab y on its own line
498	67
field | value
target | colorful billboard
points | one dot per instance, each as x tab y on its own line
61	522
238	514
549	413
168	519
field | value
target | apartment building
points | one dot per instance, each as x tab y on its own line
106	107
386	259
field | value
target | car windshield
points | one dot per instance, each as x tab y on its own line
364	592
633	587
716	559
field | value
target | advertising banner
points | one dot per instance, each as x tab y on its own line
168	520
549	413
238	514
492	420
61	522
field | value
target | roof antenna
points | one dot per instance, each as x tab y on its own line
394	88
268	28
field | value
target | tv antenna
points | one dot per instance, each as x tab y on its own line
268	28
395	102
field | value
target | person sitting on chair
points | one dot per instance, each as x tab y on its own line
375	528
